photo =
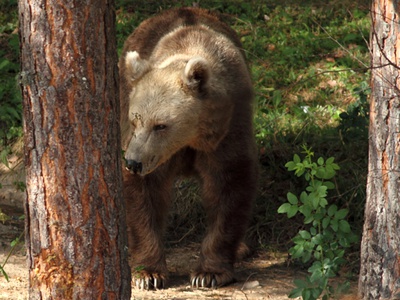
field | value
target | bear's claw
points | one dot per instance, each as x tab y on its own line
209	280
150	281
204	283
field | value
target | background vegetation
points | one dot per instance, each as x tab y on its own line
309	61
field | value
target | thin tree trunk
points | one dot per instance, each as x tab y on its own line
380	248
75	223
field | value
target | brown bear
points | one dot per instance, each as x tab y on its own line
186	110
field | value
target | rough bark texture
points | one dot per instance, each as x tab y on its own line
380	253
75	227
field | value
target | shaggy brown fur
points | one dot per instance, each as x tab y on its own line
186	109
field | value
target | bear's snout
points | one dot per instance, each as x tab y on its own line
134	166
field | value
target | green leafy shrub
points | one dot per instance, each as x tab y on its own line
326	233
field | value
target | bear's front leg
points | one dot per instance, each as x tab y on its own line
228	194
147	201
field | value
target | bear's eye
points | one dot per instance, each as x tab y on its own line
159	127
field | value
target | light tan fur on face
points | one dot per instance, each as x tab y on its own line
191	84
149	98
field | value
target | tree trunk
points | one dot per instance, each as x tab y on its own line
380	248
75	221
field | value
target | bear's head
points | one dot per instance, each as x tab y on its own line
165	107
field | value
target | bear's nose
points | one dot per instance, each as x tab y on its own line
134	166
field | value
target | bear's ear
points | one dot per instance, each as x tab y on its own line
135	66
196	73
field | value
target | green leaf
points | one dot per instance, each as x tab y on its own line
298	239
300	170
330	160
305	234
321	173
313	231
297	251
344	243
322	191
306	257
332	210
284	208
305	210
296	159
4	64
315	275
306	295
315	266
4	156
323	202
295	293
311	188
330	185
334	245
320	161
292	211
325	222
340	253
314	200
304	197
309	219
341	214
319	215
292	198
317	240
301	283
290	166
316	292
329	172
344	226
2	271
335	166
335	225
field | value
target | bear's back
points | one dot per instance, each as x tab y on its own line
145	38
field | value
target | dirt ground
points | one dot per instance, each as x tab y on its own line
263	275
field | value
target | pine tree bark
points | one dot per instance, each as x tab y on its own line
75	222
380	247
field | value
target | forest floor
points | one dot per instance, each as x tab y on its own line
263	275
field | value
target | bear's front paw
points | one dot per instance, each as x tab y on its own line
210	279
144	280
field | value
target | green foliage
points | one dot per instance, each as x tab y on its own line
13	244
10	97
326	232
306	61
354	121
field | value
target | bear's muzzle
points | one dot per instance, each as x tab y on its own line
133	166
